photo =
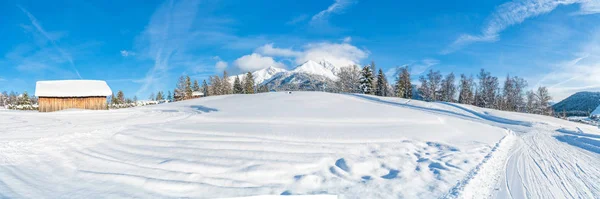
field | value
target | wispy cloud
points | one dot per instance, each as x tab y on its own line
578	74
166	36
126	53
339	54
2	79
337	7
43	32
297	19
516	12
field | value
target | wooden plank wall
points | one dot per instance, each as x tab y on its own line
49	104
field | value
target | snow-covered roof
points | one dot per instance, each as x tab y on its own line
197	93
72	88
596	112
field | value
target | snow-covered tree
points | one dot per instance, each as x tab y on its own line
237	86
531	103
195	86
448	89
381	88
249	83
170	96
487	90
188	87
215	85
430	85
543	100
466	95
403	84
226	87
366	80
180	89
349	79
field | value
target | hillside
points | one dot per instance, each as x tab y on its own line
578	104
354	146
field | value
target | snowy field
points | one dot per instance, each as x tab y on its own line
353	146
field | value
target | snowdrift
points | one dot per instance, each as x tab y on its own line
304	143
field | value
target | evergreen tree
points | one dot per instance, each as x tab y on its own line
249	83
169	96
263	89
196	87
237	86
215	85
188	87
403	84
373	71
366	80
24	100
120	97
381	85
205	88
159	96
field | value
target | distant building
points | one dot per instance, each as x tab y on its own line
67	94
197	94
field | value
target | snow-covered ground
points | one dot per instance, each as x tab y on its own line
354	146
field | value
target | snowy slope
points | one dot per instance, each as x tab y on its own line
354	146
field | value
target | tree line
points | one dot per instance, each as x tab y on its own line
217	85
15	100
484	90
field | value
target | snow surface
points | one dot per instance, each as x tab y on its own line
270	144
72	88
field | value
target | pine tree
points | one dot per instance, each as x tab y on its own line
374	75
366	80
237	86
120	97
169	96
196	87
380	86
159	96
249	83
205	88
226	87
403	84
188	87
24	99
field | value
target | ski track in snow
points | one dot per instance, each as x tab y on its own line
304	143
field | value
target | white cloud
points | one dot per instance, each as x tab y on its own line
422	66
126	53
297	19
339	54
221	65
337	7
268	49
256	61
347	39
515	12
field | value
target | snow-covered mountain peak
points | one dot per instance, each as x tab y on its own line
314	68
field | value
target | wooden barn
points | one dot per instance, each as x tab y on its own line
68	94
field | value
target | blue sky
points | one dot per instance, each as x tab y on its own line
142	47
